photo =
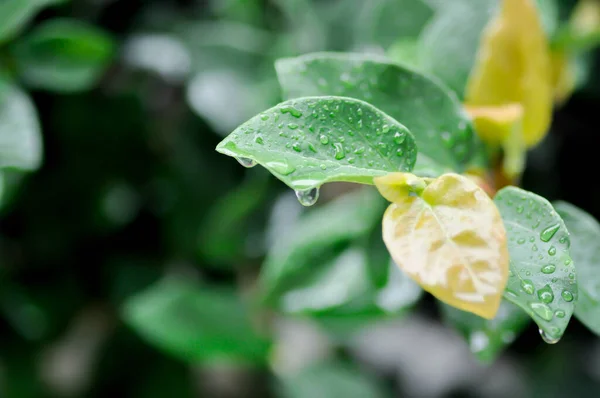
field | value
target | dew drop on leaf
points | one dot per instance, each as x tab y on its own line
552	251
291	110
246	162
527	286
339	151
323	139
567	295
547	339
549	232
308	197
549	269
542	310
559	314
545	294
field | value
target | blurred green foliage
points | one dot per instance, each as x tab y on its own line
130	250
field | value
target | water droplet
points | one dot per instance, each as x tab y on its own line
567	261
527	286
532	239
563	239
296	147
399	137
339	151
521	241
324	139
308	197
519	209
567	296
259	140
323	166
291	110
534	248
385	129
292	126
548	269
549	339
246	162
545	294
542	310
282	168
552	251
559	314
264	116
400	152
571	276
549	232
312	148
359	151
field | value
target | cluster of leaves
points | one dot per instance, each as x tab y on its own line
136	237
365	119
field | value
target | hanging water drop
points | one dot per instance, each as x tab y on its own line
246	162
549	232
308	197
548	339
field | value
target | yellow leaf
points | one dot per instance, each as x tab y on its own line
450	239
513	67
494	123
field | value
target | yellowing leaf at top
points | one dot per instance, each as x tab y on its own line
450	239
513	66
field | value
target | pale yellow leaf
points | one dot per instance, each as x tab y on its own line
451	240
513	66
563	76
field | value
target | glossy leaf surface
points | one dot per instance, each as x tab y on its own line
542	280
449	238
585	250
430	111
309	141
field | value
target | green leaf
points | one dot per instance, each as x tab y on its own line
314	244
442	130
195	323
449	43
487	338
309	141
20	137
225	228
585	237
330	380
385	21
542	278
15	14
63	55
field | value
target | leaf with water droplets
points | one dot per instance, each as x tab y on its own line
309	141
542	279
449	237
488	337
585	244
309	255
433	114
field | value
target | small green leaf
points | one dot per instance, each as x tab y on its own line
312	248
542	278
309	141
63	55
487	338
333	380
20	137
16	14
442	130
195	323
585	237
450	41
